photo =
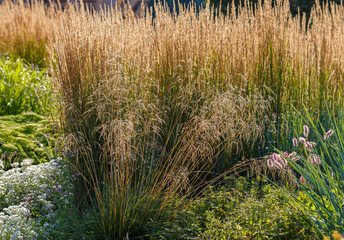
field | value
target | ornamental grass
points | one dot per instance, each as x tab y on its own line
152	107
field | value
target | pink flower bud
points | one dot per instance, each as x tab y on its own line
293	154
305	130
295	144
270	163
328	134
275	156
315	159
302	140
308	146
278	165
302	179
281	160
284	162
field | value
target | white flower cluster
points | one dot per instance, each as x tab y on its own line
21	189
14	224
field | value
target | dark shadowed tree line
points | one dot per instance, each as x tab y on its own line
305	6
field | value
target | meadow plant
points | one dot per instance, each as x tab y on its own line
242	209
265	47
317	170
129	174
23	88
140	138
148	104
26	30
27	135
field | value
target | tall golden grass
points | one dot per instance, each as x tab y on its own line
26	30
149	106
264	47
140	139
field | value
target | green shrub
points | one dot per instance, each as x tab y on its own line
243	210
23	88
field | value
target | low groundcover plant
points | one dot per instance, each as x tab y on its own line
29	197
242	209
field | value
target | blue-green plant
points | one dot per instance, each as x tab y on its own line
317	168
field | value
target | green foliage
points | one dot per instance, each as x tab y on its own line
25	136
30	50
243	210
322	184
23	88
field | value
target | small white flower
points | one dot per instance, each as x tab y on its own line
16	184
17	210
26	162
15	165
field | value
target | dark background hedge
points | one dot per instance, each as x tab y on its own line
304	5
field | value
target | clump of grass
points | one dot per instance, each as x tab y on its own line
270	48
315	167
23	88
321	177
267	45
139	141
26	30
130	86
